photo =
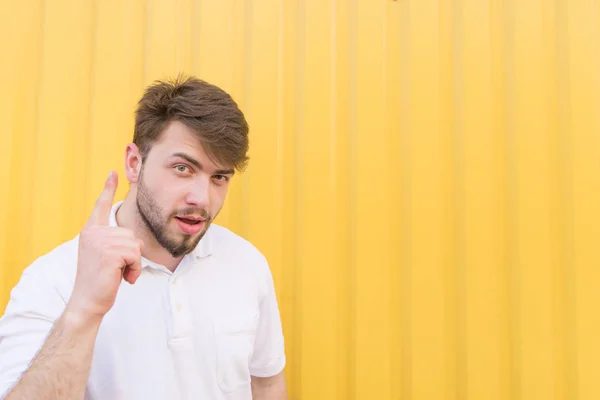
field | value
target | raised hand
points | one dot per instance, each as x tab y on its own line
105	256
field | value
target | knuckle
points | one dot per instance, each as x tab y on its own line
128	233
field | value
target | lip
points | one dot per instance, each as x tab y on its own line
190	229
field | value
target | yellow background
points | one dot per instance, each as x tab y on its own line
424	175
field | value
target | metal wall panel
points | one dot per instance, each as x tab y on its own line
424	175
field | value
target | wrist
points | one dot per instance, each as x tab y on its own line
77	318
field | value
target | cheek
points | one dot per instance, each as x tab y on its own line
165	197
172	197
217	198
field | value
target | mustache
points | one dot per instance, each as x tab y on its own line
192	211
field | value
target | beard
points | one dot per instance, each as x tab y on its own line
151	213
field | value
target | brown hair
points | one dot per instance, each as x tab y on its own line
208	110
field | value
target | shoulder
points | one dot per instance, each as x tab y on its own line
42	290
56	268
60	257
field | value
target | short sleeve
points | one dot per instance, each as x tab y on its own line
33	308
268	358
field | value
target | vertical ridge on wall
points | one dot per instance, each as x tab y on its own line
340	179
512	224
234	208
319	318
499	129
372	208
557	206
566	275
288	290
353	150
184	35
280	153
398	206
450	131
482	171
456	120
85	152
404	145
583	74
196	51
429	229
247	99
262	220
297	349
535	219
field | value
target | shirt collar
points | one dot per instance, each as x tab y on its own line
204	248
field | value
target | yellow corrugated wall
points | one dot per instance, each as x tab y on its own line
424	176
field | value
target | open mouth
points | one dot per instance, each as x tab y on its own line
189	221
190	225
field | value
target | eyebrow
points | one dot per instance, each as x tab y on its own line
197	164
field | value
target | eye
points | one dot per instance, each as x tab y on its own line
220	178
181	168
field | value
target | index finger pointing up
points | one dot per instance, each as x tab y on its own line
101	212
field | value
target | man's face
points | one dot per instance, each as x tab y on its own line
180	190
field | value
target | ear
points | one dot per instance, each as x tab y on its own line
133	163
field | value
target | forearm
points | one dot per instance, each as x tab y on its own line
61	368
269	393
273	388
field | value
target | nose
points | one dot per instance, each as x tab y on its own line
198	193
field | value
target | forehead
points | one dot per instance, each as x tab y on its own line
179	138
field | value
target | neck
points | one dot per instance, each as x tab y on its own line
128	217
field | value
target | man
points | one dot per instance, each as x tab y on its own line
151	300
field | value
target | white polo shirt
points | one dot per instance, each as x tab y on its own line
197	333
